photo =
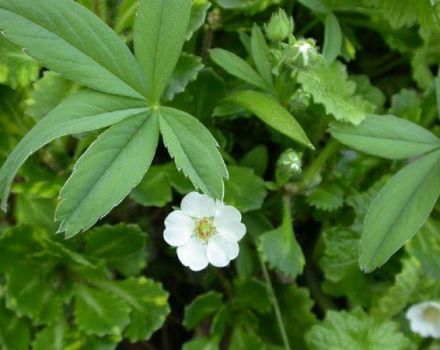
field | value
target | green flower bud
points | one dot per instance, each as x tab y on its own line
288	166
279	27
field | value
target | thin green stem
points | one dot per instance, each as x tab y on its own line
312	171
276	306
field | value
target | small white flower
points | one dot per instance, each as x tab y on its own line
424	319
204	231
304	49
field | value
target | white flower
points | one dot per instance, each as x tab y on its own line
204	231
424	319
304	49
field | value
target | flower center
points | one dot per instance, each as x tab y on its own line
431	314
205	229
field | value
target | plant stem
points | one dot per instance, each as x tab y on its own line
309	175
276	306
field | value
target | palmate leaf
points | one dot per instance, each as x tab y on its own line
84	111
106	173
71	40
399	210
159	34
194	150
386	136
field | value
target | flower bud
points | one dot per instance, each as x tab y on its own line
280	26
288	166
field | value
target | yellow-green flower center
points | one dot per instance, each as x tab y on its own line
205	228
431	314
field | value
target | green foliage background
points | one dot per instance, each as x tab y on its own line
335	252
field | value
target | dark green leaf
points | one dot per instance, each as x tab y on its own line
202	307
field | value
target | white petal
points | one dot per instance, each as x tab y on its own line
230	230
178	228
230	248
227	212
193	254
198	205
216	255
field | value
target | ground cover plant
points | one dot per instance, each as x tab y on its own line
226	174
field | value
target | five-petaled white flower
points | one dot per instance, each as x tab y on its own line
424	319
204	231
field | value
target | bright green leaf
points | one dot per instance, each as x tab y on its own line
69	39
99	312
354	330
399	210
107	172
159	34
260	54
201	307
244	190
272	113
48	93
333	38
199	9
281	249
386	136
194	150
238	67
84	111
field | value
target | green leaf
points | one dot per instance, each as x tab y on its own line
155	189
16	68
426	248
194	150
396	298
387	137
272	113
238	67
293	297
48	93
114	241
253	294
329	86
354	330
244	190
159	34
326	197
202	344
437	84
148	302
201	307
107	172
186	71
406	104
399	210
243	338
84	111
341	268
315	5
281	249
333	38
260	54
51	337
99	312
199	9
69	39
14	332
257	158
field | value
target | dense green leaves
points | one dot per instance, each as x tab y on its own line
272	113
159	33
117	160
84	111
386	136
354	330
399	210
100	61
194	150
